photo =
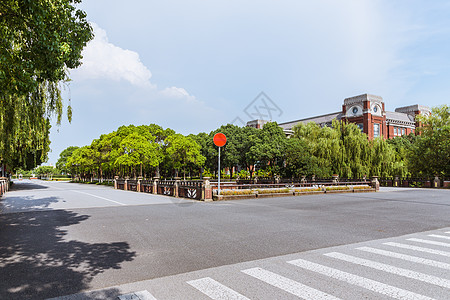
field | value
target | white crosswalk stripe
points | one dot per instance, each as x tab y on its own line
415	259
439	236
369	284
288	285
391	269
420	249
215	290
320	275
429	242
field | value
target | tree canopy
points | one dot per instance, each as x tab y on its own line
41	40
312	150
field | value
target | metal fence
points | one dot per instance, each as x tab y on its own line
190	189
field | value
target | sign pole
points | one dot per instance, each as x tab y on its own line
218	185
219	140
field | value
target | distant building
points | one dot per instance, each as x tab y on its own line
368	112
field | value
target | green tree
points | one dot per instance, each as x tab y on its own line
430	154
183	151
81	162
63	156
40	41
138	149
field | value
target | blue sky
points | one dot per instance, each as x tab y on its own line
195	65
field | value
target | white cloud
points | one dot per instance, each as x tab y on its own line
103	60
177	93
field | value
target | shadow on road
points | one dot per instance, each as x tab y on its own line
23	186
37	263
26	203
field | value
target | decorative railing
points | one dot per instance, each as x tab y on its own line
146	186
120	184
203	189
190	189
166	187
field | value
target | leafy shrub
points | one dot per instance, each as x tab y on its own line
337	188
273	191
236	192
308	190
244	174
207	173
361	187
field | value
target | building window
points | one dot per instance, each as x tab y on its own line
395	130
403	131
361	126
376	130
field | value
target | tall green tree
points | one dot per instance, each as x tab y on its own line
430	154
63	156
40	41
183	151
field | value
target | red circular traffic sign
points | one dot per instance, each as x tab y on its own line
220	139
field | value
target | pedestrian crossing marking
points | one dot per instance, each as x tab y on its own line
410	258
429	242
440	236
369	284
215	290
288	285
420	249
391	269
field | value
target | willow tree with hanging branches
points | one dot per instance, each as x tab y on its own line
40	41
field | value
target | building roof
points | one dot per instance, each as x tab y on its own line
323	119
399	118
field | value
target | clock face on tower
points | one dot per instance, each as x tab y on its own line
354	111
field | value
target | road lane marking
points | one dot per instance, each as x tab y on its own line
410	258
430	242
440	236
215	290
391	269
97	197
416	248
369	284
287	285
142	295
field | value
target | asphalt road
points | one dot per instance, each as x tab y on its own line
60	238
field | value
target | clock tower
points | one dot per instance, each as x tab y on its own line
367	111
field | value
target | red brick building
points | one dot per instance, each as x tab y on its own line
368	112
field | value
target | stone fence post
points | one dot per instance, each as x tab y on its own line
436	182
175	186
396	181
335	178
206	189
138	187
115	182
125	185
375	183
155	185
